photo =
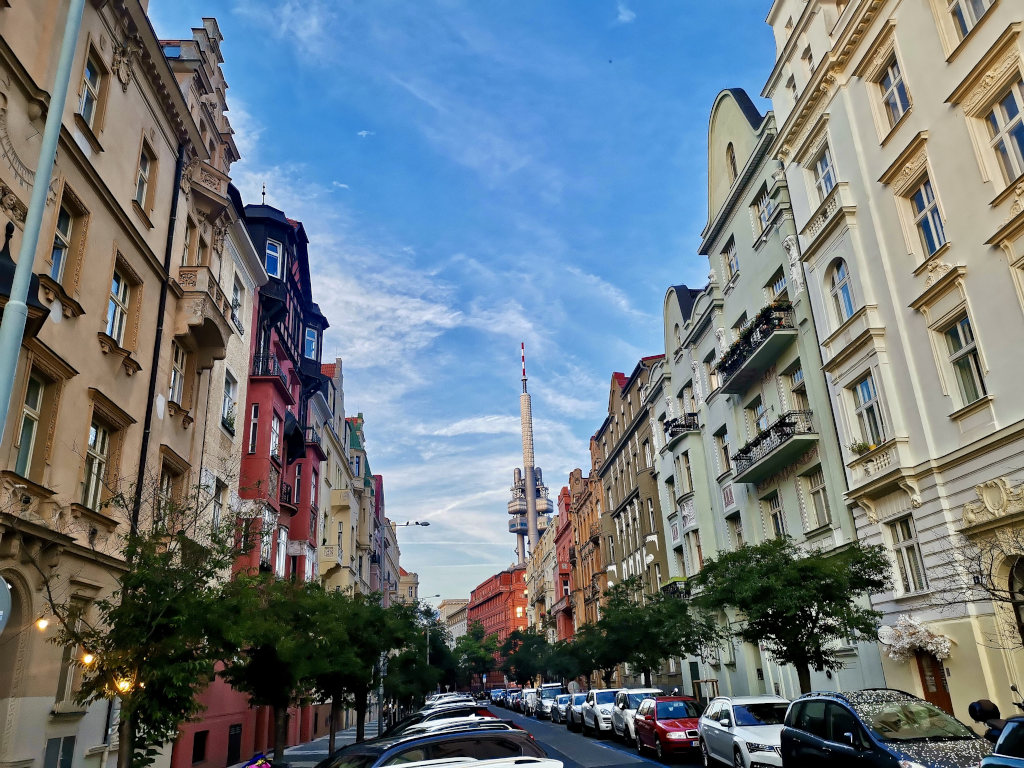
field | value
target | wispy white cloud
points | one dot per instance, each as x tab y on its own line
364	133
625	14
614	295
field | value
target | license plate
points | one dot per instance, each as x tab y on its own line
694	743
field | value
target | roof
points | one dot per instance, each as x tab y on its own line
866	696
686	297
329	369
753	115
402	571
620	378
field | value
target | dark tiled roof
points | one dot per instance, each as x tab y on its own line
754	117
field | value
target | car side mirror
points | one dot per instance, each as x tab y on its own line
848	739
648	717
725	722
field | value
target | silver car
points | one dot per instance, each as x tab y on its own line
743	730
560	708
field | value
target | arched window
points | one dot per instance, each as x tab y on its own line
676	336
1017	594
730	159
842	291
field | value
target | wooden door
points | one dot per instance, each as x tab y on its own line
933	680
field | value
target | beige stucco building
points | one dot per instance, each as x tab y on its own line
900	131
541	593
80	429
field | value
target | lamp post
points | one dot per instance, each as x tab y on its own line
424	523
428	597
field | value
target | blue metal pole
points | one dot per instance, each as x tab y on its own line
12	328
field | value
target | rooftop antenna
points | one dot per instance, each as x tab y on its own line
264	194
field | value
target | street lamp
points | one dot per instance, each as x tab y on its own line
428	597
412	522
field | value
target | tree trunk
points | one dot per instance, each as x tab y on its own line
125	738
647	678
280	732
803	676
360	716
335	711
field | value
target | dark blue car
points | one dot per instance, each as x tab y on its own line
876	728
1009	751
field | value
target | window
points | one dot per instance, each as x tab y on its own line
273	259
807	57
764	207
275	437
927	218
842	292
117	308
68	665
820	513
722	442
220	492
730	260
791	88
1016	589
967	13
648	458
519	611
29	426
868	409
894	92
59	752
908	554
227	406
689	404
169	490
298	483
824	173
190	238
61	244
89	102
142	178
177	373
254	426
311	345
730	161
685	473
776	515
963	356
199	746
281	553
758	415
97	454
237	292
712	374
1006	131
735	524
776	289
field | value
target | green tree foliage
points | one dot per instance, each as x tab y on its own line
525	653
475	653
801	606
563	662
147	641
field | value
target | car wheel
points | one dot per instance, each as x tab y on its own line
708	762
737	759
659	751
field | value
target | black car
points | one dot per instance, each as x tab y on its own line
438	713
879	727
478	744
1009	751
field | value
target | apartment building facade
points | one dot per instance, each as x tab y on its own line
562	610
499	604
899	129
540	580
586	563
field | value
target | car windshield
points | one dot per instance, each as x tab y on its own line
563	699
579	698
604	697
911	720
677	710
548	693
636	698
767	713
401	725
1011	743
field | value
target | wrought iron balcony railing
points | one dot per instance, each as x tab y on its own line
771	448
268	365
595	532
758	344
688	422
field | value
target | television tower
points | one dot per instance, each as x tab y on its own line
530	504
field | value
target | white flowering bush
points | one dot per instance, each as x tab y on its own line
910	635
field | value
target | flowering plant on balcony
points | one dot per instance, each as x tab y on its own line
910	636
768	319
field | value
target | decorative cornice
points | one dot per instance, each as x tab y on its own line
974	90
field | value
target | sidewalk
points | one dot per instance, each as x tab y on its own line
312	752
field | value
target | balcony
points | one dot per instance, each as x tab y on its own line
312	438
204	313
572	553
285	498
268	367
775	448
595	532
759	345
679	426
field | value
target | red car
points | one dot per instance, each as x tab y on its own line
668	725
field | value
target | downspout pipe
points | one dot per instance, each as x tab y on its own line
147	429
12	328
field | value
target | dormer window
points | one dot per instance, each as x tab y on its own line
311	348
273	260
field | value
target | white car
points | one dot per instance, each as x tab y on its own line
597	711
529	701
626	702
546	695
743	730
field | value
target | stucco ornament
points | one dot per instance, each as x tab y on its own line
936	269
796	274
909	636
996	498
723	343
697	393
121	64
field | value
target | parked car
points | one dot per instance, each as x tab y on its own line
876	727
461	723
743	730
477	744
559	709
574	712
597	711
546	699
1009	750
668	725
451	711
529	701
626	702
514	699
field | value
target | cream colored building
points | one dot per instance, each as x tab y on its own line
540	580
79	430
900	131
389	566
408	586
453	614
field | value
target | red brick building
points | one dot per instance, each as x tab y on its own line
499	603
565	550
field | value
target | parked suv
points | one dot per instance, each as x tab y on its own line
546	695
876	727
597	711
743	730
626	702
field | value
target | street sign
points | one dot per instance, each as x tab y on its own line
5	603
484	676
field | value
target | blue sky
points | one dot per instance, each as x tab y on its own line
473	174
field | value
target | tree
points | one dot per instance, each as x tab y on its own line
475	652
337	658
562	662
525	654
270	643
147	642
800	606
595	653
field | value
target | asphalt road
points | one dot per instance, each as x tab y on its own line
578	751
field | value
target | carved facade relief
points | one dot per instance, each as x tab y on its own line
996	498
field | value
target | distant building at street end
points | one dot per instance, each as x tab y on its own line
408	586
453	613
562	609
499	604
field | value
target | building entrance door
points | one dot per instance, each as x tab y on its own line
933	680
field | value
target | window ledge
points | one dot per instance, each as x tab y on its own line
142	213
959	47
108	346
101	518
87	131
227	427
912	595
896	126
937	256
178	411
817	531
67	710
54	291
971	408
